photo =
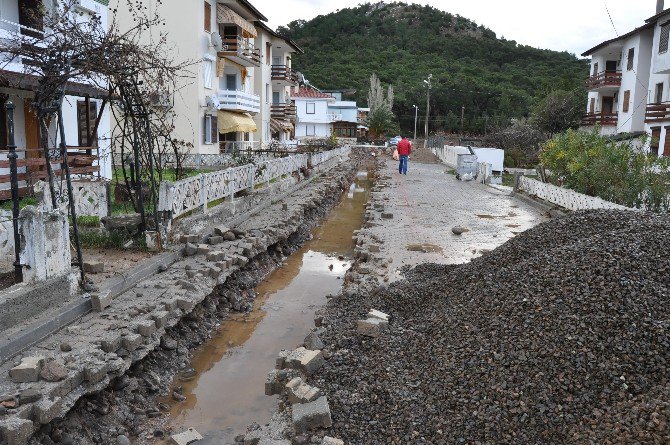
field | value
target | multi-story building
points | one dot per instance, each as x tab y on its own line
630	82
90	152
315	118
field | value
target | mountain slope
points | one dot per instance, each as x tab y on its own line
493	78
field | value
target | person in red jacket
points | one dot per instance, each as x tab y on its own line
404	150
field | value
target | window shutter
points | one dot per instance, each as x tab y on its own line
82	129
214	123
207	129
207	73
631	57
626	101
665	35
208	17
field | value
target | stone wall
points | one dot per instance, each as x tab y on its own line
90	197
45	239
566	198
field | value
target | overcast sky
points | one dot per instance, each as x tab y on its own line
564	25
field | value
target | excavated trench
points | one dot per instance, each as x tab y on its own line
210	370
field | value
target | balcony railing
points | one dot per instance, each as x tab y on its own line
604	79
283	73
238	101
657	112
602	119
9	29
242	51
283	111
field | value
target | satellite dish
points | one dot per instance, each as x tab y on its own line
217	42
212	102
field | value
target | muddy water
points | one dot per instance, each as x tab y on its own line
227	393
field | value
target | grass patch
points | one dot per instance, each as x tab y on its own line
215	203
23	202
93	239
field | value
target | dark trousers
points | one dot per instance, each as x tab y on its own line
402	167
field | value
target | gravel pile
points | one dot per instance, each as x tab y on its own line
561	335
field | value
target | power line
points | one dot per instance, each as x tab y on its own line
610	16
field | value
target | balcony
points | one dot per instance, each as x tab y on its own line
241	51
239	101
600	119
606	80
286	112
658	112
284	75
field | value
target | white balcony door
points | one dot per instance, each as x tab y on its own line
275	97
231	82
276	60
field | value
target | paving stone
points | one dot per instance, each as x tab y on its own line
312	415
27	371
371	327
190	249
300	392
15	431
280	362
327	440
203	249
305	360
160	317
47	410
273	385
194	239
146	327
111	342
185	438
100	301
132	341
94	267
213	240
374	313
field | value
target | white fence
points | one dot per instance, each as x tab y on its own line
566	198
199	191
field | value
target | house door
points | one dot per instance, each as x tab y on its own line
276	60
275	97
666	144
655	140
610	66
32	131
658	93
608	105
592	105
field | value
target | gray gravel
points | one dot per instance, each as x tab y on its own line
561	335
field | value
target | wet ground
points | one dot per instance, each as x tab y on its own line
227	392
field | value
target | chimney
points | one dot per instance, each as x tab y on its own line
659	6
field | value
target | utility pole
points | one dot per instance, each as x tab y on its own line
428	83
416	117
462	118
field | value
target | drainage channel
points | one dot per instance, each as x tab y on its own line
225	394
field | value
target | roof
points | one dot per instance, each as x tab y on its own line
290	42
310	93
253	9
30	82
621	37
657	16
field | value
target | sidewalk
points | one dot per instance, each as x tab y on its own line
427	203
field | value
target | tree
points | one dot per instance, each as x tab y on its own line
560	110
521	141
381	120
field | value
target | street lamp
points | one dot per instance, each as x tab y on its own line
416	116
429	84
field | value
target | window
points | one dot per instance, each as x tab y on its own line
592	105
665	34
626	101
310	130
595	68
310	108
207	67
231	82
268	51
86	122
211	129
631	58
267	93
208	17
275	97
658	96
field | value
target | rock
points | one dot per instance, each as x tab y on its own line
122	440
53	371
203	249
215	240
190	249
313	342
169	343
221	230
372	327
15	430
65	347
327	440
94	267
111	342
29	395
185	438
28	370
387	215
312	415
146	327
458	230
132	341
100	301
194	239
229	236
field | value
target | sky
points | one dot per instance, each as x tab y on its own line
564	25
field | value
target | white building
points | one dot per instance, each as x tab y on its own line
315	118
89	157
630	82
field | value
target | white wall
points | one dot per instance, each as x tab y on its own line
321	130
636	81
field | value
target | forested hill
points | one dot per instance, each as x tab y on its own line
403	43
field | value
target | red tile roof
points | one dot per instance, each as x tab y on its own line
310	93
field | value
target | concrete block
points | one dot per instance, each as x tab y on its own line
372	327
305	360
300	392
185	438
15	431
387	215
111	342
185	304
221	230
374	313
217	255
95	372
160	317
312	415
327	440
190	249
94	267
203	249
373	248
27	371
223	265
214	272
273	385
280	362
213	240
131	342
101	301
195	239
146	327
47	410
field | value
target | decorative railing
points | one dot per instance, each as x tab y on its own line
238	101
187	195
657	112
604	79
284	111
243	49
602	119
9	29
283	73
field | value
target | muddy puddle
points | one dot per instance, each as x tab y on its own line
226	392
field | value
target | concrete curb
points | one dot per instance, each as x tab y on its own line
553	210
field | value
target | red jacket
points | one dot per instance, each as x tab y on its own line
404	147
